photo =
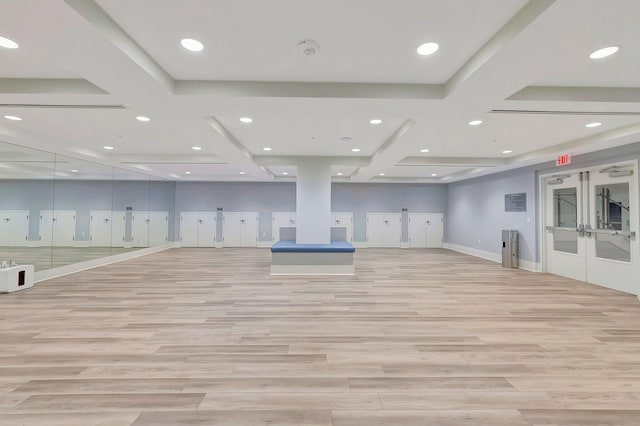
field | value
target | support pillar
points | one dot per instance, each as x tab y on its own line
313	201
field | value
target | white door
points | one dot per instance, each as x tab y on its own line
281	220
140	229
435	230
232	229
392	229
418	230
118	224
207	229
343	220
14	227
158	228
375	229
45	228
565	246
249	230
100	228
57	228
612	250
189	229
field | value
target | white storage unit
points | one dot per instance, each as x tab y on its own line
343	220
384	229
57	228
425	230
107	228
281	220
240	229
149	228
198	229
14	228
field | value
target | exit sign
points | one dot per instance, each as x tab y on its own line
563	160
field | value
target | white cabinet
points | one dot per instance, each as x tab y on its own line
240	229
425	230
384	229
198	229
107	228
14	227
149	228
281	220
57	228
343	220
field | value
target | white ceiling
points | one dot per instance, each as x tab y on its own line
493	55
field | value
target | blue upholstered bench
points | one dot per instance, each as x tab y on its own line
292	247
289	258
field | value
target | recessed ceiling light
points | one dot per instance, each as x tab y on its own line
196	148
428	48
424	150
434	174
339	173
8	43
242	173
285	173
266	148
73	171
594	124
246	120
475	122
604	52
143	118
12	117
507	151
381	174
108	147
356	150
187	173
375	121
191	44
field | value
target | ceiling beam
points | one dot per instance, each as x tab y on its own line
49	86
577	94
454	161
294	160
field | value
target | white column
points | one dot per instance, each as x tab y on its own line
313	201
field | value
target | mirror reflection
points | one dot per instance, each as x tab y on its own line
565	216
612	213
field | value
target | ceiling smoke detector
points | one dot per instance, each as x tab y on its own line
308	47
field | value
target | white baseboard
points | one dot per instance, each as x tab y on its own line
265	244
90	264
494	257
360	244
85	243
33	243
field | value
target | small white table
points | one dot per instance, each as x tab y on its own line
16	278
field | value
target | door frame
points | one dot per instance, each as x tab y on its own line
542	201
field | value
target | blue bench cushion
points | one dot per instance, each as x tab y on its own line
292	247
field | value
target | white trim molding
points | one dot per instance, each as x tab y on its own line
494	257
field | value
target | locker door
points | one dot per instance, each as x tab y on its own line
249	231
118	224
45	230
343	220
207	229
140	229
417	230
100	228
279	220
189	229
435	230
14	227
231	229
64	228
392	229
158	228
375	229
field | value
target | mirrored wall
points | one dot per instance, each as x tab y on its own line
57	210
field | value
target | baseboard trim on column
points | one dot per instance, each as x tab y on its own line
90	264
494	257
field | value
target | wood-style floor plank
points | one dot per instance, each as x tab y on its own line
416	337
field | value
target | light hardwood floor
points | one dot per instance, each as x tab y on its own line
417	337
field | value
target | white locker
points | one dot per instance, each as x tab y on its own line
384	229
140	229
343	220
425	230
107	228
158	228
280	220
14	227
240	229
198	229
57	228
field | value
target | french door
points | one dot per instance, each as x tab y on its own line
592	221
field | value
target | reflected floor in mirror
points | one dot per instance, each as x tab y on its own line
416	337
43	258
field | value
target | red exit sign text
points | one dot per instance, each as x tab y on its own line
563	160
